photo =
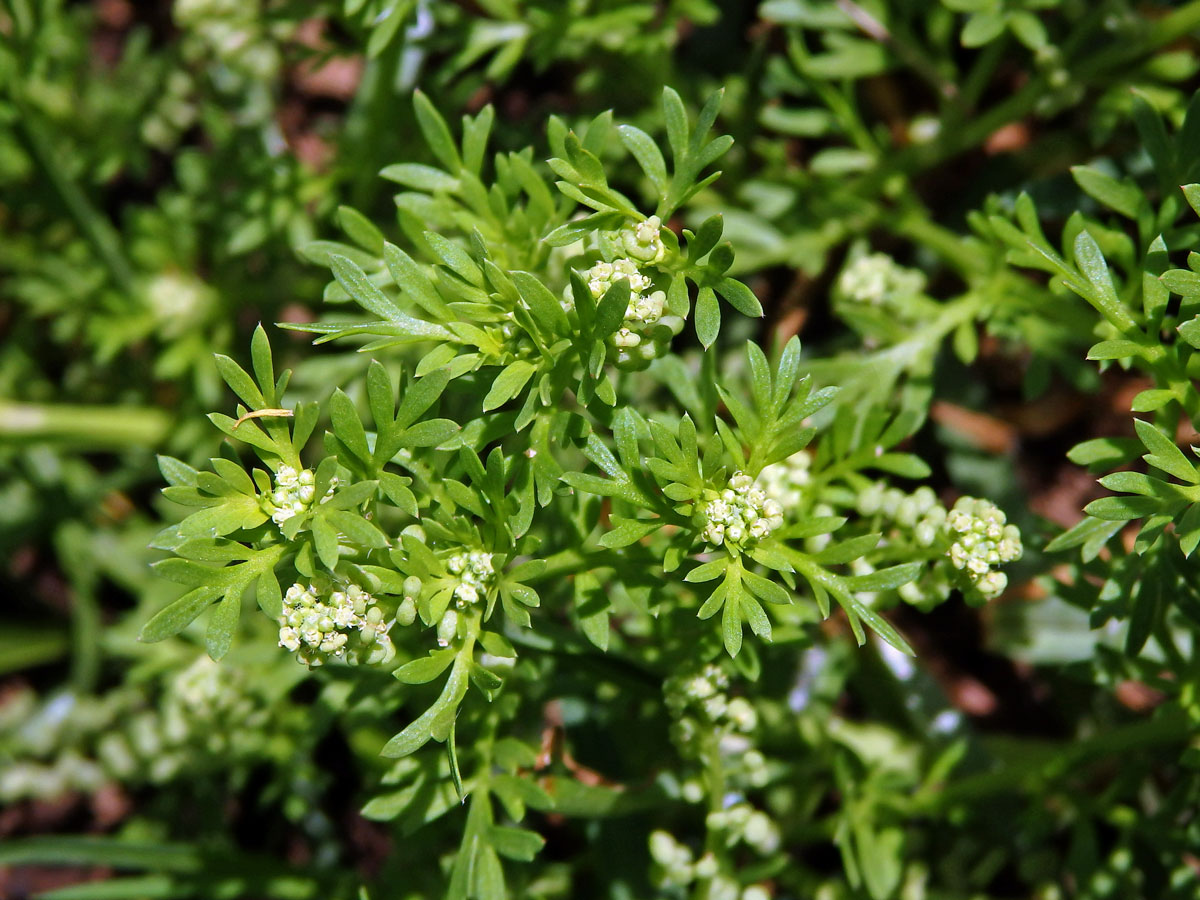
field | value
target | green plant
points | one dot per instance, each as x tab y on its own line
446	540
636	595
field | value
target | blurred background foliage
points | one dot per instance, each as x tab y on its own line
160	165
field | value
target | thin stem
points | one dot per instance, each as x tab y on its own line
714	784
914	222
95	227
94	426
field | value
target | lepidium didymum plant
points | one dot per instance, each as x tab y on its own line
532	494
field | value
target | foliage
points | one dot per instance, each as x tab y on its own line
664	504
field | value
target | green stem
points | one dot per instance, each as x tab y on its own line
95	227
94	426
1118	58
915	224
714	784
1164	730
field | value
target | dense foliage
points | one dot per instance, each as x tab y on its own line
682	489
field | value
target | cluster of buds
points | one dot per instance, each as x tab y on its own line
700	705
784	482
232	32
180	302
982	542
294	493
742	823
643	241
475	573
647	327
173	112
876	278
644	311
345	624
603	276
741	514
675	866
919	510
206	718
406	612
973	535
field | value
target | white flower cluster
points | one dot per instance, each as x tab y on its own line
677	867
643	241
983	542
294	493
603	276
919	510
179	302
703	695
875	278
475	572
644	309
316	628
784	482
406	612
173	111
974	533
233	32
742	823
741	513
205	718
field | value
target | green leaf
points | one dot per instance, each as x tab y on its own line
647	154
1104	453
677	124
177	472
436	132
1151	400
884	579
510	382
740	297
363	290
708	317
628	531
1089	533
515	843
1121	509
347	425
1102	294
425	178
1164	455
360	229
544	305
1190	332
1119	349
731	624
179	614
426	668
708	571
1121	196
983	28
413	281
222	624
239	382
489	876
906	465
264	368
610	312
766	589
411	739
